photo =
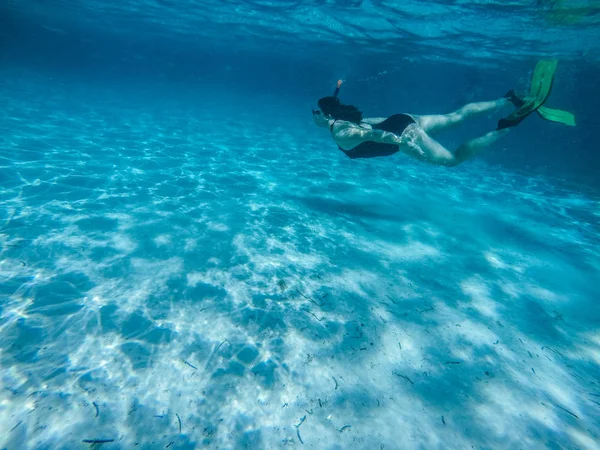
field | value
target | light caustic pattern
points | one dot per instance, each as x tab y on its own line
167	282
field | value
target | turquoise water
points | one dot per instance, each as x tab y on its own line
187	262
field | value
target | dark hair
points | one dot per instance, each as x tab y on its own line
331	106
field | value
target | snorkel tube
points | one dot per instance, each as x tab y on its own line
337	88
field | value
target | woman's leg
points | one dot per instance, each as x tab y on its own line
420	145
435	123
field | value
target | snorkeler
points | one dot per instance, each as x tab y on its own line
360	137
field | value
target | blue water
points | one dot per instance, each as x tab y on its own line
186	261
